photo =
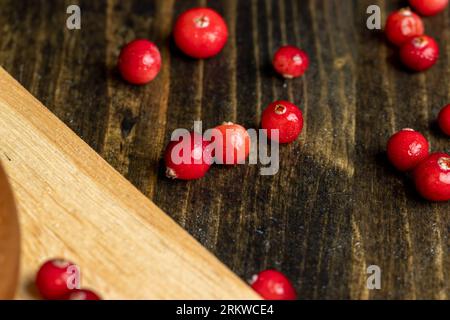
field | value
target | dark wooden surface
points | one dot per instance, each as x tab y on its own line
335	207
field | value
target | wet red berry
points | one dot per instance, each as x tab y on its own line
139	62
200	33
428	7
290	62
52	279
432	177
402	25
273	285
419	53
406	149
444	120
81	294
234	144
284	117
187	158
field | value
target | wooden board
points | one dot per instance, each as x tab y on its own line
335	207
72	204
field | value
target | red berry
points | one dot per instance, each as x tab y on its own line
419	53
444	120
273	285
290	62
189	165
402	25
428	7
139	62
200	33
81	294
285	117
432	177
52	280
233	147
406	149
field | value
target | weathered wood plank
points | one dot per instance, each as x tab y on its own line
335	207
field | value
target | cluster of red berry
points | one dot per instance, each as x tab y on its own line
199	33
405	29
235	146
408	150
53	282
202	33
234	142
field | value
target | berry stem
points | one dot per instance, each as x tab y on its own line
444	163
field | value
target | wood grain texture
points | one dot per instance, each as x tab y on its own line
335	207
73	204
9	240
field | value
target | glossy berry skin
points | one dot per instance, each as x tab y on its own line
444	120
191	166
428	7
406	149
139	62
81	294
432	177
234	144
290	62
283	116
273	285
402	25
419	53
52	279
200	33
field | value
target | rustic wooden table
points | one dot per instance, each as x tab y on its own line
335	207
